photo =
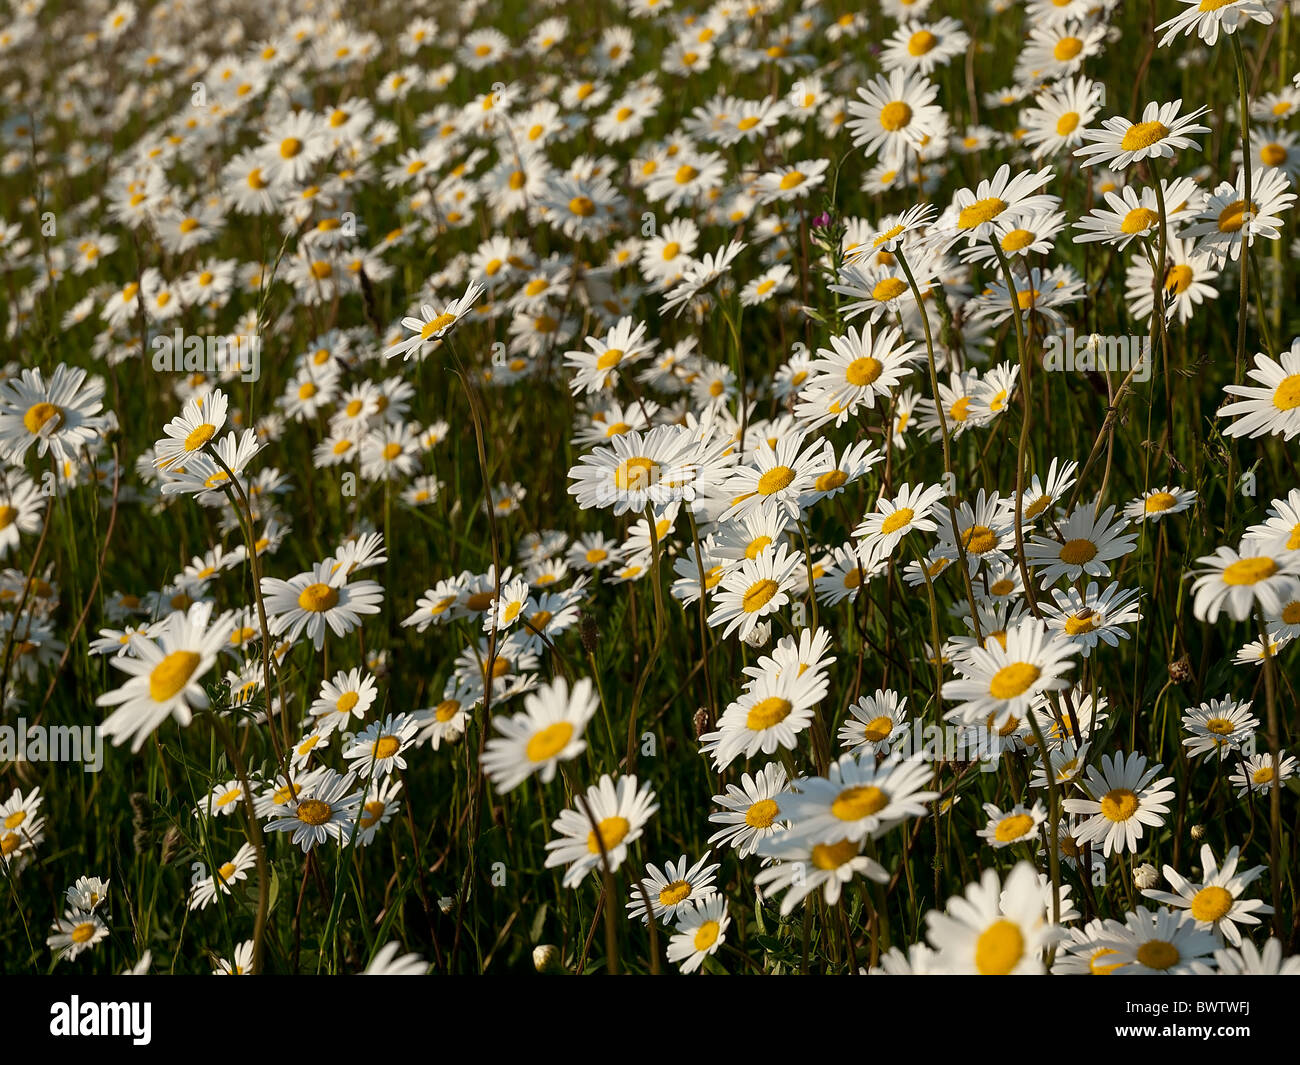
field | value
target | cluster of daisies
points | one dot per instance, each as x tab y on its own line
651	441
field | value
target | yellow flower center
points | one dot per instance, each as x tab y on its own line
833	855
41	414
979	539
1013	680
1249	570
1287	394
612	831
1077	626
762	813
314	812
1143	135
768	712
1119	804
1066	49
386	747
549	742
791	180
1013	827
1211	903
318	597
895	115
171	675
1139	220
1067	123
775	480
582	206
1158	954
706	935
853	804
1078	552
636	474
980	212
674	893
830	480
289	147
758	594
999	949
921	42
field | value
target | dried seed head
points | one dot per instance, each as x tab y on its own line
1180	671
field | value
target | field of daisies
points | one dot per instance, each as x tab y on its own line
751	488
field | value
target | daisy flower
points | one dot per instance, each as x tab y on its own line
387	962
1215	903
1017	825
1219	726
346	696
377	751
1063	111
1248	960
776	476
637	469
678	888
991	930
753	589
802	868
856	370
547	732
923	46
20	510
1206	20
323	809
1088	542
1093	616
1125	795
873	723
60	416
882	529
701	930
316	599
1257	773
1237	581
187	433
1161	130
1000	681
1156	943
74	933
432	324
617	812
1157	503
1273	408
993	208
895	113
219	882
1225	223
751	810
769	715
857	799
165	671
1189	274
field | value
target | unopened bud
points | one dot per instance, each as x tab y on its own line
546	958
1198	832
1180	671
1146	876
